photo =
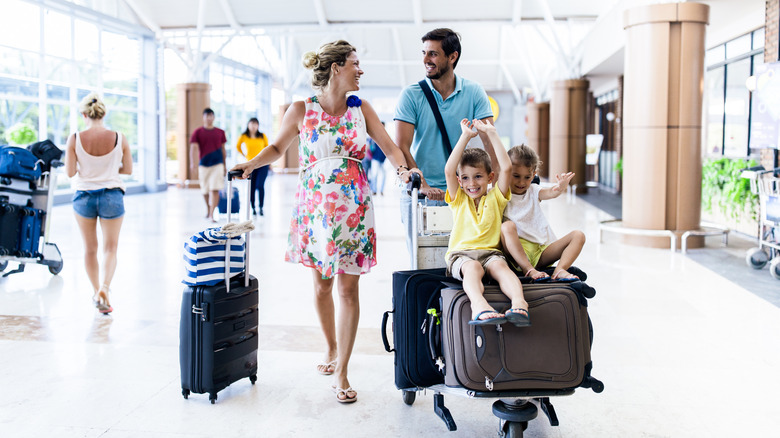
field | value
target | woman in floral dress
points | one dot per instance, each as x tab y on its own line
332	227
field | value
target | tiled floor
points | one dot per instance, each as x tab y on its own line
683	351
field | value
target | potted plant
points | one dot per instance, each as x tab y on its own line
21	134
724	192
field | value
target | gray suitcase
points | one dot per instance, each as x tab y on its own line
552	354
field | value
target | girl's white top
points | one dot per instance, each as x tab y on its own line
98	172
526	212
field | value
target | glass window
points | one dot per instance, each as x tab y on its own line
737	107
738	46
758	39
714	98
120	80
18	87
20	63
56	92
59	69
87	74
121	52
57	34
86	44
118	101
57	122
21	28
715	55
13	112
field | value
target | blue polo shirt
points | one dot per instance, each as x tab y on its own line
468	101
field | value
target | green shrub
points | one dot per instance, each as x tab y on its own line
21	134
723	189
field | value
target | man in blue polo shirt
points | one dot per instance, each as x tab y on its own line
417	133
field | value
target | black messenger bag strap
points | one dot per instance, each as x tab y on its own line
435	108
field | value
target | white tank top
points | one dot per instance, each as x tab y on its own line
98	172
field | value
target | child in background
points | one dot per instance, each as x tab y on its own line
474	242
526	235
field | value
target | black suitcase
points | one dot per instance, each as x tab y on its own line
414	292
218	333
10	225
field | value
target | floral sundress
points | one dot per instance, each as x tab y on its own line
332	226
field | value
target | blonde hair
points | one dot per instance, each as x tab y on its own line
524	156
321	60
92	106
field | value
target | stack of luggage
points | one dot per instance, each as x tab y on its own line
21	224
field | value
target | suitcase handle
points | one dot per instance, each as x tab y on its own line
229	176
384	331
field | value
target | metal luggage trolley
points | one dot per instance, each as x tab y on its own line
431	226
48	253
766	184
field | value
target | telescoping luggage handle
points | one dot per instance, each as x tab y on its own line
229	195
415	182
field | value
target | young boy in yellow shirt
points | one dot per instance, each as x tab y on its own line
476	232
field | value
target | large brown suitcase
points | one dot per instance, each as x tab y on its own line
553	353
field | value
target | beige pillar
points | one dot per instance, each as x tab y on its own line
568	119
539	133
662	113
191	99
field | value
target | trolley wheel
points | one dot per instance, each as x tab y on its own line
253	378
774	268
408	397
756	258
55	269
513	429
185	393
3	265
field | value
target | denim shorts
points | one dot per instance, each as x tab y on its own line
102	203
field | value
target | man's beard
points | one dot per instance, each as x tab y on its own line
440	71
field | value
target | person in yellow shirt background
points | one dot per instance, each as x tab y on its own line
251	142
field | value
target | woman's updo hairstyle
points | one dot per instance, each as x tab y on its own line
93	106
321	60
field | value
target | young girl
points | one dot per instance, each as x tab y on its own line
525	234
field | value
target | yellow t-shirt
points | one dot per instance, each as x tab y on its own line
476	228
253	145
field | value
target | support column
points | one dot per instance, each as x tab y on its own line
662	113
568	119
539	133
191	99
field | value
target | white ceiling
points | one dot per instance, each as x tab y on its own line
511	45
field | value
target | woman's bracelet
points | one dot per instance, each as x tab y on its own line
398	170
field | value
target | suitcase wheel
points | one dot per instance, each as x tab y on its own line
253	378
213	398
185	393
55	269
408	397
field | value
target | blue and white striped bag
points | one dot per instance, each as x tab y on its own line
204	257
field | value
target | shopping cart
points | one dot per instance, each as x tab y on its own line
766	184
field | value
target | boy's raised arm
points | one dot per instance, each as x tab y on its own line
451	168
503	164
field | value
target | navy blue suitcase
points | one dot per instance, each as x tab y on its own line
16	162
30	230
414	292
10	219
235	204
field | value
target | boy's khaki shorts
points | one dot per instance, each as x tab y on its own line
211	178
456	259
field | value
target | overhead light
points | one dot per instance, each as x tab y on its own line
750	83
610	116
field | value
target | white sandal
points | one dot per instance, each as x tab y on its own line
347	398
326	366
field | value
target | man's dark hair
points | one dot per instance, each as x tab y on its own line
208	111
450	41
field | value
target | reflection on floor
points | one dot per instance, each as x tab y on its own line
683	351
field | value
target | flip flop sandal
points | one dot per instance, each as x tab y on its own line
325	366
347	398
498	320
519	317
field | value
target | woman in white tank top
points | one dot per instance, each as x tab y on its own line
94	160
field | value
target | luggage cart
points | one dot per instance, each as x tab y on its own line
430	238
48	253
766	184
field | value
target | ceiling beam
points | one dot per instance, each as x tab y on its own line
151	24
320	9
517	12
231	17
417	12
550	20
399	57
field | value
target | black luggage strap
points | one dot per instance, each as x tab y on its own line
439	122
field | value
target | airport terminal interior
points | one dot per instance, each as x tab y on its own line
683	341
